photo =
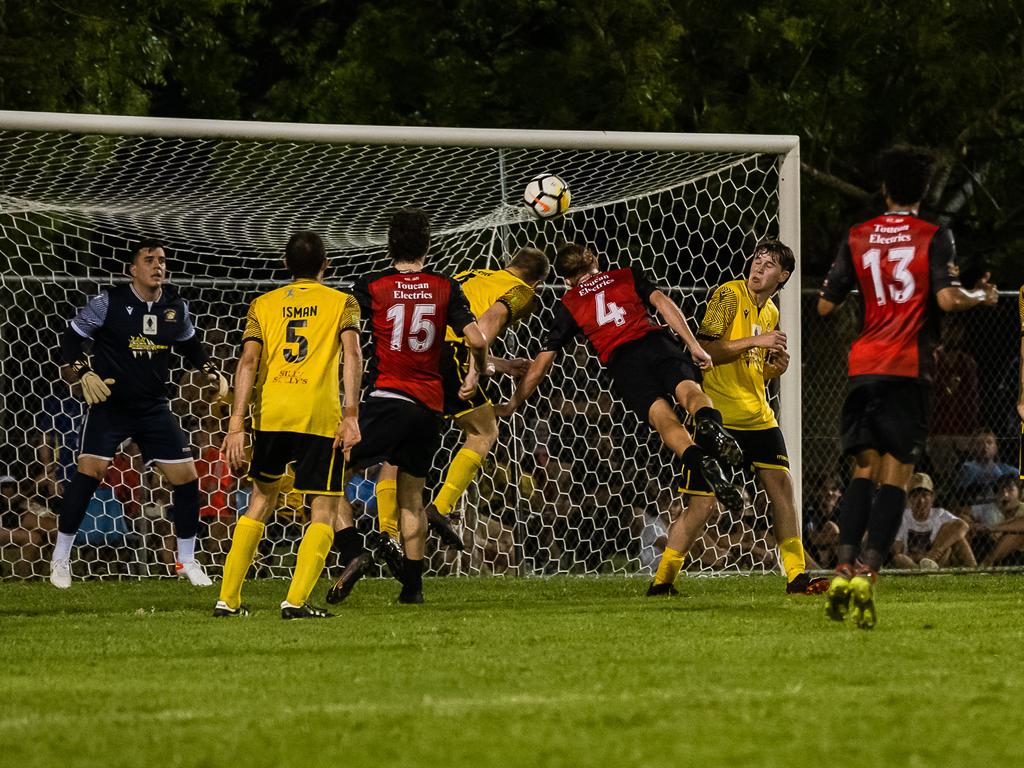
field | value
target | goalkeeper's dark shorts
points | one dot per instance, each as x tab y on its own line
649	368
887	415
152	426
398	430
762	449
319	468
454	368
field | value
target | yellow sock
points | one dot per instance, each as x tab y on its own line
669	567
310	561
246	538
387	507
461	472
792	557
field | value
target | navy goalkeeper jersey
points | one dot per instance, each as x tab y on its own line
132	340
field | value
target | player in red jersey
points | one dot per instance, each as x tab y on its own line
409	307
648	369
904	267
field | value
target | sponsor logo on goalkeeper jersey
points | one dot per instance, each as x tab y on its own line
140	345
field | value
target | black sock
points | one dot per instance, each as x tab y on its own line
185	509
854	512
348	543
884	523
76	500
412	575
691	457
709	413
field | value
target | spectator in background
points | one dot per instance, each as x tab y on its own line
23	527
216	483
976	482
930	537
820	518
1009	528
650	526
955	415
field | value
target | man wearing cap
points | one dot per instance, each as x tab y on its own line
930	537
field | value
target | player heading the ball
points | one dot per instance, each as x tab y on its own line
133	329
649	371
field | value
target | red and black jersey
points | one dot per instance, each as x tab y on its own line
899	262
408	312
610	308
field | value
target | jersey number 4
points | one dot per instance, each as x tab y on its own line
901	282
422	330
609	311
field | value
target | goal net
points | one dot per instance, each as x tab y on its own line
575	485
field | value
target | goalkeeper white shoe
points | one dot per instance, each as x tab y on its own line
60	573
193	571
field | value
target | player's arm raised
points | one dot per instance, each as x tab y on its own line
233	446
477	343
537	372
676	320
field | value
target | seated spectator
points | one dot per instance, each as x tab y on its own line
930	537
976	482
215	485
821	519
24	525
650	526
1009	531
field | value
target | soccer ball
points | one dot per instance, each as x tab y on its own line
547	196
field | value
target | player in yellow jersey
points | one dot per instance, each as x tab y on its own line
293	338
740	332
499	299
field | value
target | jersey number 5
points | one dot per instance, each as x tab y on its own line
422	331
294	336
609	311
901	289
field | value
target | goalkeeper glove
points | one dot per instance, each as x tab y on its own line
217	379
94	389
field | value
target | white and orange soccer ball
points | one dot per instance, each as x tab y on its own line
547	196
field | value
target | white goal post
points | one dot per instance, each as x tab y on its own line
576	482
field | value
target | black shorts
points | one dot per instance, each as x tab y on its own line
398	431
648	368
890	416
154	429
454	367
319	467
762	449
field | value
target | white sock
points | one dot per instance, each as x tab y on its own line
62	549
186	549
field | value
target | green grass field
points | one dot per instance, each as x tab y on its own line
529	672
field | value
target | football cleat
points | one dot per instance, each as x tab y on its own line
837	598
304	611
442	526
386	552
712	437
727	493
862	599
661	589
222	610
804	584
410	597
354	571
193	571
60	574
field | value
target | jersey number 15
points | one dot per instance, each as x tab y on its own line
421	332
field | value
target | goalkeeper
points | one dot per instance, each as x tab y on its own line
133	329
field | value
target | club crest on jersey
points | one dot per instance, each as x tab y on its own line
171	315
149	325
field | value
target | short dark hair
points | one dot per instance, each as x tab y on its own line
304	255
905	171
1006	480
532	263
146	244
571	259
409	235
780	251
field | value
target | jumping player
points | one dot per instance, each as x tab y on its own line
499	298
740	332
904	266
408	306
648	369
133	329
294	336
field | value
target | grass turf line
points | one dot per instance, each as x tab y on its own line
532	672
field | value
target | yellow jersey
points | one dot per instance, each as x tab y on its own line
737	388
299	327
484	287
